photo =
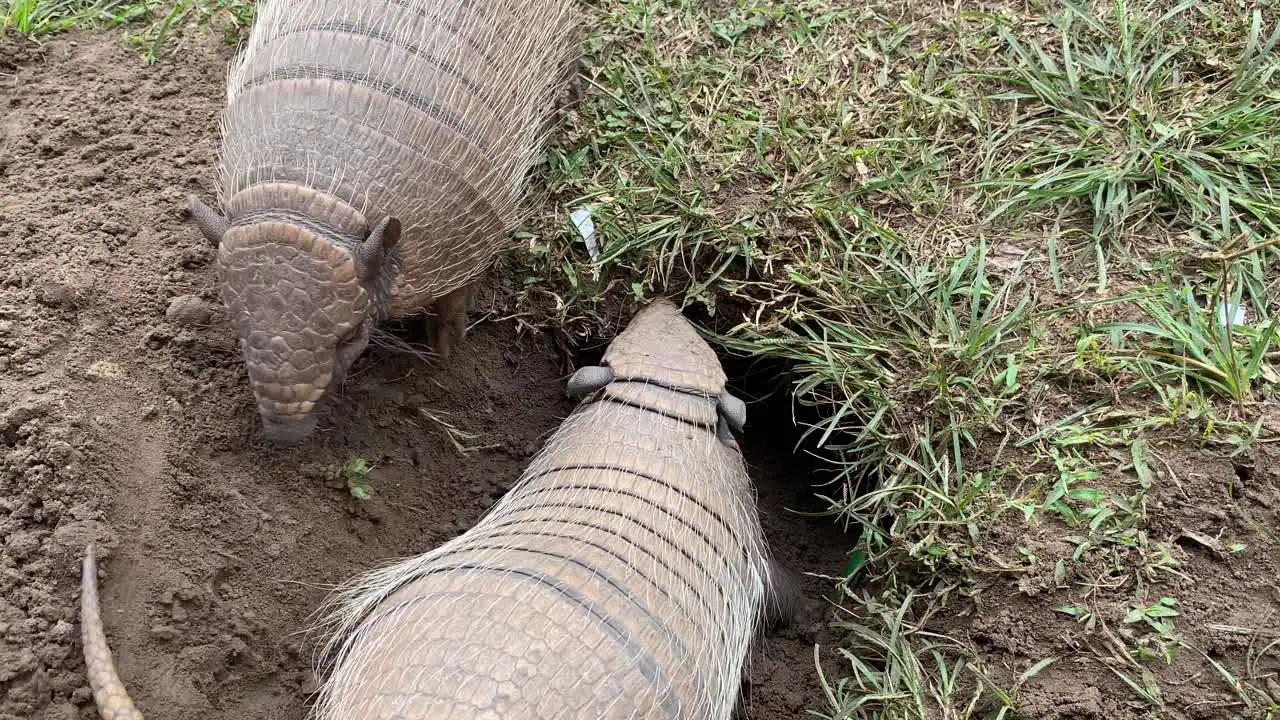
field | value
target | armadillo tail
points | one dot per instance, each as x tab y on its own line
108	692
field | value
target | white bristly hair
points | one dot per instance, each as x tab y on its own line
428	110
627	583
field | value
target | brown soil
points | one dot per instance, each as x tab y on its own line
1228	602
125	419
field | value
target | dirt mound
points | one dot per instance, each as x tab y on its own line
126	419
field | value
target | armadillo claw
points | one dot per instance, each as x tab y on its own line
588	379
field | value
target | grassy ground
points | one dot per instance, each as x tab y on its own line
992	243
150	25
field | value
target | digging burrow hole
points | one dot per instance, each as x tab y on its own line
125	419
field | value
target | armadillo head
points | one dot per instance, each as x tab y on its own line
303	306
660	344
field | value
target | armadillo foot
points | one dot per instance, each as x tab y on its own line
588	379
211	224
570	87
784	600
447	324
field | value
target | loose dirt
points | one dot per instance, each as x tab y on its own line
126	420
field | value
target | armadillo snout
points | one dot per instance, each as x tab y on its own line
286	392
288	432
287	397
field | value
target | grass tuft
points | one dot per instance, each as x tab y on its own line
1134	116
151	27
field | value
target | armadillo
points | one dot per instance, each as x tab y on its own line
374	157
624	575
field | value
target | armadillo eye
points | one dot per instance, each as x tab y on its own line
352	335
349	348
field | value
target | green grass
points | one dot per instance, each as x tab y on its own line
44	16
354	475
1180	341
926	238
1107	117
989	248
151	26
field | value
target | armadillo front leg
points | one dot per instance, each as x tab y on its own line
447	322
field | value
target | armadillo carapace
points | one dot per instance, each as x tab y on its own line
624	575
373	160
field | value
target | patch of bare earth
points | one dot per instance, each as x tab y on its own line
1217	519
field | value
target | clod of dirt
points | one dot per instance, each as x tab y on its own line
189	310
15	50
22	411
57	295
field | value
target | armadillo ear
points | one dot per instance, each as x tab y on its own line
588	379
211	224
725	435
733	410
374	249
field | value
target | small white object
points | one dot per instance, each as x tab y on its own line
1238	314
582	220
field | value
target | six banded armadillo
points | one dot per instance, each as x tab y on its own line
373	160
624	576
